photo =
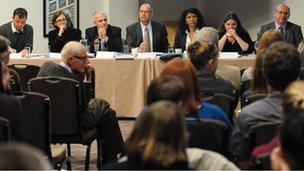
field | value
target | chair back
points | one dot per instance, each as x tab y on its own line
264	132
25	72
245	86
225	102
208	134
252	98
5	131
35	123
64	94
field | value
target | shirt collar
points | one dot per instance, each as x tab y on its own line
143	26
14	29
277	26
195	32
66	66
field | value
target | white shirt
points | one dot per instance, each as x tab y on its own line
66	66
14	29
277	26
143	27
188	41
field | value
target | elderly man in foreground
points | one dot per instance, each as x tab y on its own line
97	113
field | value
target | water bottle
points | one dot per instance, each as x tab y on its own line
96	45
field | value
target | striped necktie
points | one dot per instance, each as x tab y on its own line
147	39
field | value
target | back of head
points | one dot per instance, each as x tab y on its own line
22	157
281	65
166	87
20	12
293	97
292	140
3	45
187	73
268	38
159	136
71	48
200	53
209	35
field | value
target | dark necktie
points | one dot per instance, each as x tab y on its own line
281	30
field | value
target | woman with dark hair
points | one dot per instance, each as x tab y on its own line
157	141
233	37
191	104
190	22
10	106
63	32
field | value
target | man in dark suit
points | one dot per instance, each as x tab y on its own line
147	35
96	113
292	33
108	36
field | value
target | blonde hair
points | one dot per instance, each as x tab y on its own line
293	97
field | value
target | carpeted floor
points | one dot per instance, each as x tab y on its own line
78	151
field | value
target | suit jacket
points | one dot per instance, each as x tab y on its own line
114	33
160	41
293	33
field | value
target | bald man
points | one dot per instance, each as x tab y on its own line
97	113
292	33
109	36
147	35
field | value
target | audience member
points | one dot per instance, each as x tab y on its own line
15	156
109	36
289	155
232	73
62	33
5	57
190	22
301	51
233	37
191	104
157	141
293	98
10	106
18	32
147	35
291	32
281	66
204	57
97	113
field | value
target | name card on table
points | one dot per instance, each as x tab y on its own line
229	55
15	55
55	55
105	54
146	55
125	57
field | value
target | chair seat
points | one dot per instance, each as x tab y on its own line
58	153
85	139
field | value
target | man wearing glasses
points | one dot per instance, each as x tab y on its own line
291	32
97	112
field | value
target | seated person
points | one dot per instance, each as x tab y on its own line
63	32
191	104
190	22
10	106
204	57
291	32
289	155
158	140
281	66
15	156
108	36
233	37
97	113
19	33
5	57
292	101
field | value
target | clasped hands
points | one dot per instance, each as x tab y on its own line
143	47
231	33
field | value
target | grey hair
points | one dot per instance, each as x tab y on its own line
208	35
71	49
98	12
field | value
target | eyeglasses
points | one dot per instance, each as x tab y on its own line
60	20
81	58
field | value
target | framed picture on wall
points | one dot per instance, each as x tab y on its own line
70	7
